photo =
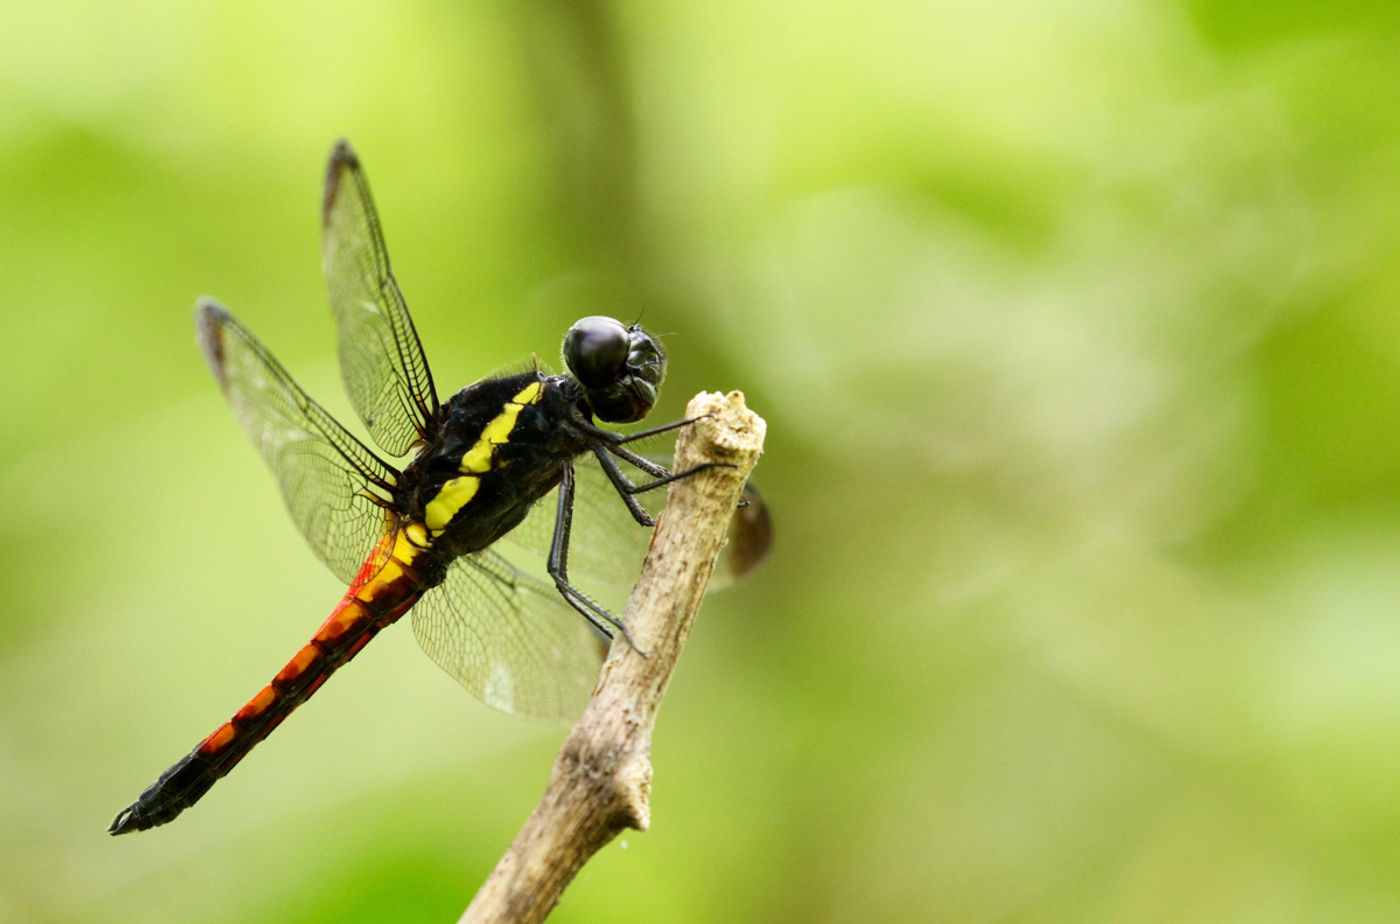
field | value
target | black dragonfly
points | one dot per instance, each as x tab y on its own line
421	537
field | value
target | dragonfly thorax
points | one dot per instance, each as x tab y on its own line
502	444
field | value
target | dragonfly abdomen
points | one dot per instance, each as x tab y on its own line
365	609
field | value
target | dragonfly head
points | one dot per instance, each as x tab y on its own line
620	368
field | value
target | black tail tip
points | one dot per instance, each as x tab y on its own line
126	821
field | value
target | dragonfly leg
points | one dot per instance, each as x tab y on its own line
558	566
661	476
620	438
624	487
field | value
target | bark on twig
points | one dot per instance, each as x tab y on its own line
601	781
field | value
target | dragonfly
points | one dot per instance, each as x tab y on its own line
421	537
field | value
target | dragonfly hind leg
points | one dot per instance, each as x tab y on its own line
557	565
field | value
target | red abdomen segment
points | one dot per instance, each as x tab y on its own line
372	603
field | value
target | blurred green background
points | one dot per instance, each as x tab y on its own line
1076	329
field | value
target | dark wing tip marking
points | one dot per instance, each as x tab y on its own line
209	319
342	152
750	534
342	160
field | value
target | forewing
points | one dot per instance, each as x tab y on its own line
381	358
509	639
335	488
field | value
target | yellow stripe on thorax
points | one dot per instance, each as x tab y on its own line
476	461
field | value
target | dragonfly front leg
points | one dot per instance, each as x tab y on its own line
628	489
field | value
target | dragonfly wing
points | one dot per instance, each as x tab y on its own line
750	538
335	488
381	357
605	544
608	546
509	639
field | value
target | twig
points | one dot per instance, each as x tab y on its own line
601	781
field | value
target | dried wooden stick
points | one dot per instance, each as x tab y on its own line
601	781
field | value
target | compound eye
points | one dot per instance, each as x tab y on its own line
595	349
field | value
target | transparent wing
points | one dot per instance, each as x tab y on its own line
607	546
381	358
509	639
335	488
